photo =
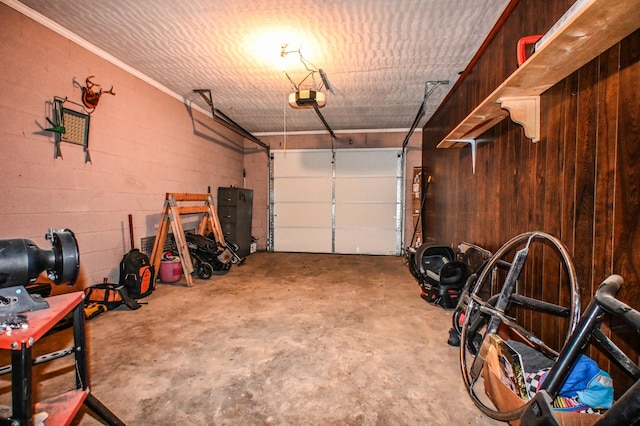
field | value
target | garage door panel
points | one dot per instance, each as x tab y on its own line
302	190
366	215
309	163
302	214
353	241
305	240
378	163
367	189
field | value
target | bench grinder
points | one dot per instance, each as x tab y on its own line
21	262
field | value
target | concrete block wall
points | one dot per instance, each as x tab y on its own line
143	143
256	163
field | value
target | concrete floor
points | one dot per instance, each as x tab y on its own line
285	339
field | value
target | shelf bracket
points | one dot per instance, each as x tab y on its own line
473	143
524	110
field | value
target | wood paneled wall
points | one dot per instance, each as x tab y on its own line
579	182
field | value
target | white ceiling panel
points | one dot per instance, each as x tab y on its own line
377	54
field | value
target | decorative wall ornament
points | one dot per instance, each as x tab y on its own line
90	97
69	126
72	125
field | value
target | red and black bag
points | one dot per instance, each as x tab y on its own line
137	275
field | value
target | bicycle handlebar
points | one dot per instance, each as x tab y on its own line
605	297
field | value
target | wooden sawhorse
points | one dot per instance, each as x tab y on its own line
170	217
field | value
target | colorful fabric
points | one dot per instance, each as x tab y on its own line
534	380
586	388
581	374
599	391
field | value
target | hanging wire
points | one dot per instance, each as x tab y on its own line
312	71
284	130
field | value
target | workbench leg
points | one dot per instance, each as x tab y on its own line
79	342
22	386
101	411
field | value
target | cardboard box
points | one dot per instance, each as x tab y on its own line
505	400
509	369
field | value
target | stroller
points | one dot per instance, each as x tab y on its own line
210	257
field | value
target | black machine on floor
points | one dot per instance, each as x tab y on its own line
21	262
209	257
440	275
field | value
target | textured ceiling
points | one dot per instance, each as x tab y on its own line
377	54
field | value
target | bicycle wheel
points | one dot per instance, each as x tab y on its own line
497	301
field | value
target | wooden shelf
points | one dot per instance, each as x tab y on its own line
589	28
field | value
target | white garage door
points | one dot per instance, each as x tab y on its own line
352	205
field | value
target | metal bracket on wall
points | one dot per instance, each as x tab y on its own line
226	121
473	143
429	88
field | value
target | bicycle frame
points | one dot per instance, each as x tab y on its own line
626	410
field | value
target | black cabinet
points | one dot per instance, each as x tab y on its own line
235	206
